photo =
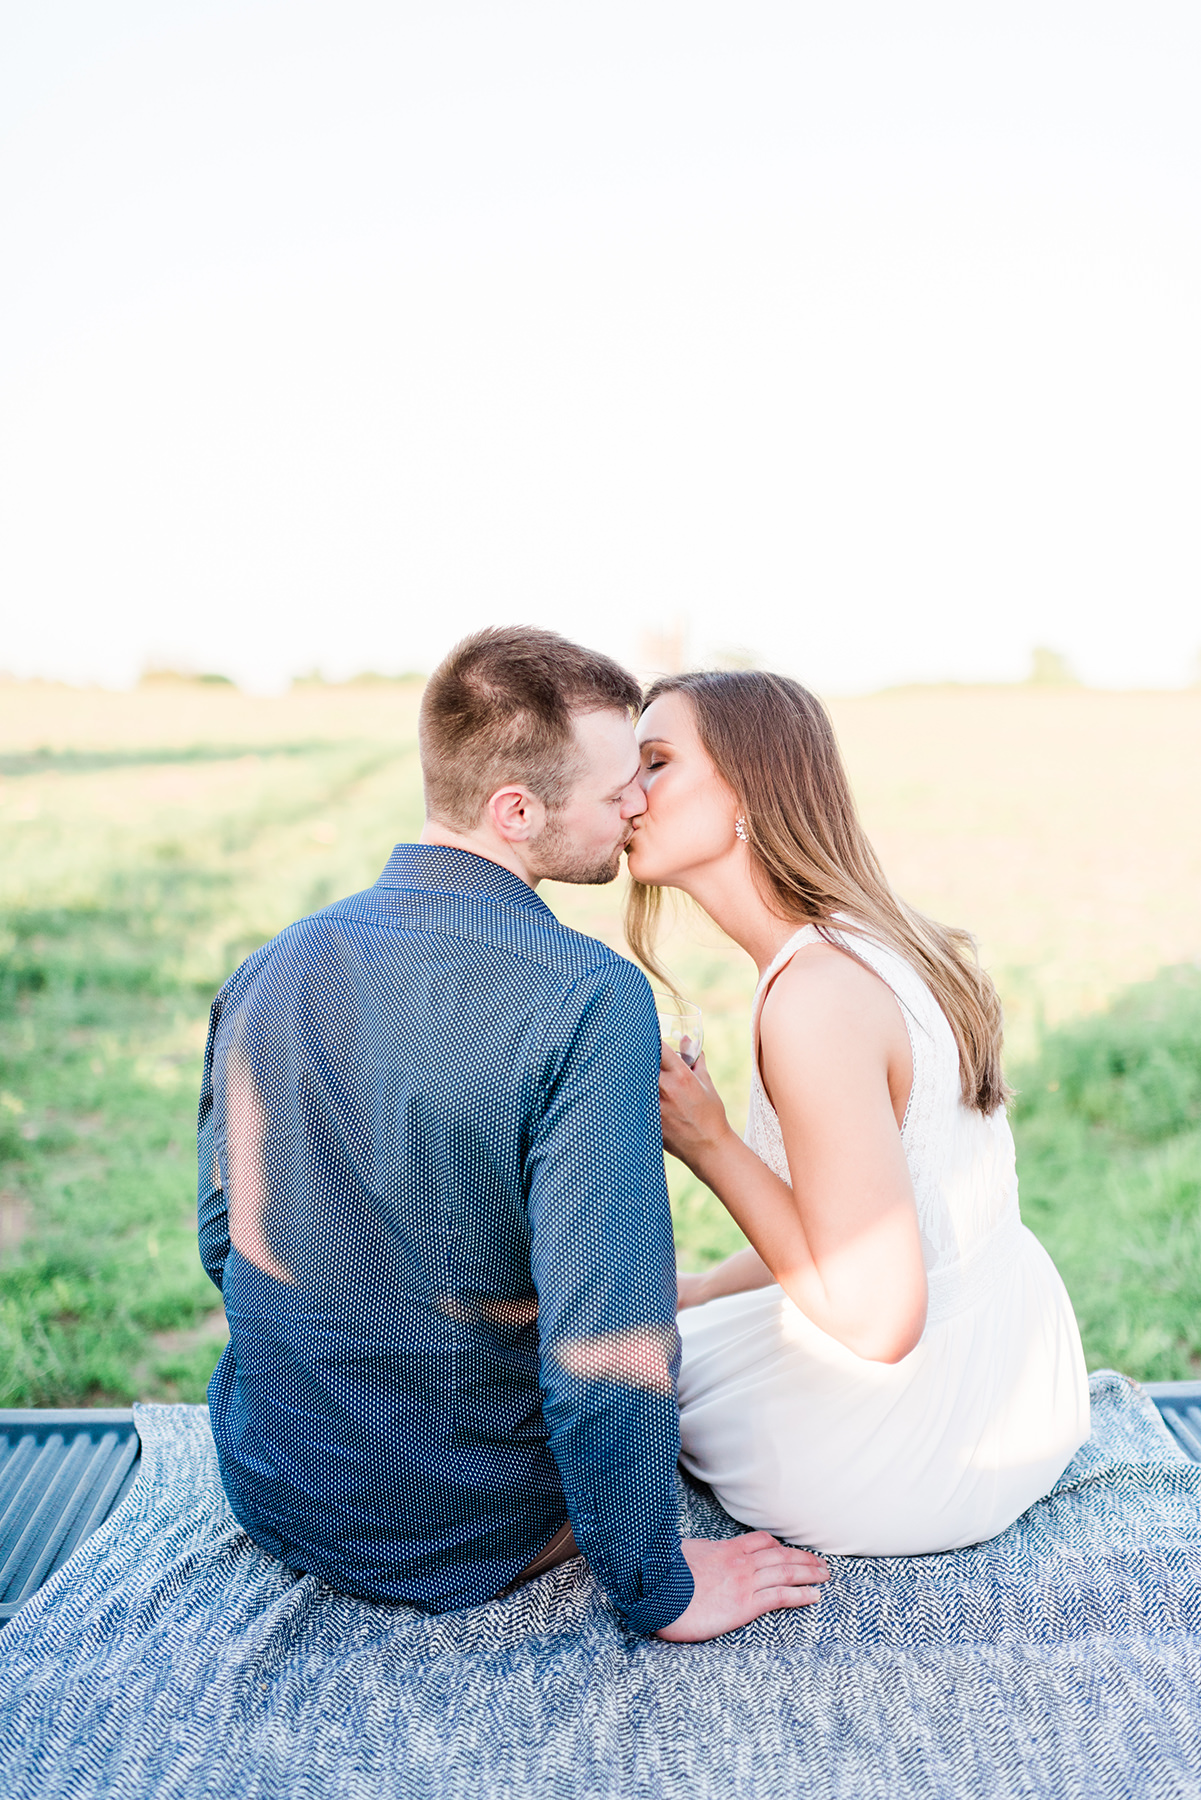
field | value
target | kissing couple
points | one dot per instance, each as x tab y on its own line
432	1186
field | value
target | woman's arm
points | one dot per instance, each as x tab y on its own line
843	1241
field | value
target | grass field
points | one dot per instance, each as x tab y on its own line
151	840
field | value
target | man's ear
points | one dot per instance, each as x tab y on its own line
516	815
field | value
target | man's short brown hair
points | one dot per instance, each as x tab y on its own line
500	709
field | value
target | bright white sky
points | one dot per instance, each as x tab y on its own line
865	336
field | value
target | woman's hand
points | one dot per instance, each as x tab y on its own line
691	1290
694	1119
738	1274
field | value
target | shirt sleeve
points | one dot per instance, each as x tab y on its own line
603	1263
212	1212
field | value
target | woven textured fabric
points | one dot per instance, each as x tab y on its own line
172	1659
432	1193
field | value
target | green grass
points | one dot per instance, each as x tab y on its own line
1108	1127
124	903
97	1119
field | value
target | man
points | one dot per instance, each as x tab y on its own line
432	1194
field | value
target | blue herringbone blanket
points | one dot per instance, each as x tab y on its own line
172	1658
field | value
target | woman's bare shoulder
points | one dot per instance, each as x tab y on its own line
823	987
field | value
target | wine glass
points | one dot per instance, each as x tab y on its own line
682	1028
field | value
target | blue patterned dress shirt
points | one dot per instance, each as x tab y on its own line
430	1126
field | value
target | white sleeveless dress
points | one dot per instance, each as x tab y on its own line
799	1436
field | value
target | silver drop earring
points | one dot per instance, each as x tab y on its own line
740	830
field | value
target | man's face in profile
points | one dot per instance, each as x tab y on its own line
583	839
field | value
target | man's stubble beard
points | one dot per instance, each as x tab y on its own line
560	860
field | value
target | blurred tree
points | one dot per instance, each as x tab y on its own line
1050	668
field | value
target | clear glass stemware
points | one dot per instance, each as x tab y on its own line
682	1027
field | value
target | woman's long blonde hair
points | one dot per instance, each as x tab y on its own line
773	745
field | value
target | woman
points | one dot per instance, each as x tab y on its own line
893	1366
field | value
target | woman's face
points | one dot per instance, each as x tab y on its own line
690	812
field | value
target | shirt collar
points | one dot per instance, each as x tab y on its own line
439	869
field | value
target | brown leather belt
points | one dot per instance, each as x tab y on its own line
561	1549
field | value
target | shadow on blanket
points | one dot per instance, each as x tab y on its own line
171	1658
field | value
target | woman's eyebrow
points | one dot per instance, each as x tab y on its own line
655	740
